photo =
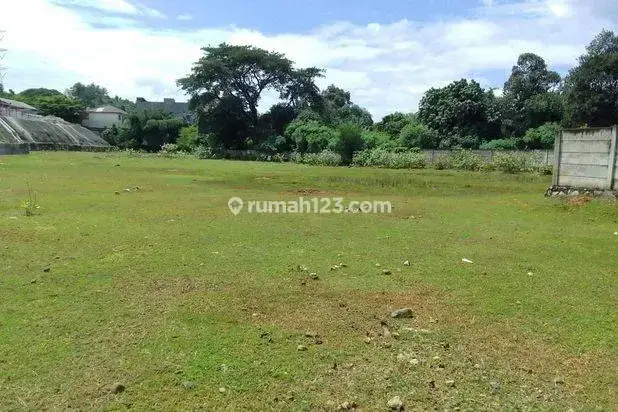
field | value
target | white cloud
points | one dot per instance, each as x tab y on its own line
386	67
184	17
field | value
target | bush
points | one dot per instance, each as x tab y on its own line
466	160
169	148
510	162
188	139
418	135
443	162
542	137
388	159
348	141
324	158
204	152
374	139
310	136
500	144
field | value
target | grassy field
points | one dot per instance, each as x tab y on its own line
162	290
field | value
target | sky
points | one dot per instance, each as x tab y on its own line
387	53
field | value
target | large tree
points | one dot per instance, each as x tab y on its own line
337	109
456	111
531	96
245	73
591	88
91	95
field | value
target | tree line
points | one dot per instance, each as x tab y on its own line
228	82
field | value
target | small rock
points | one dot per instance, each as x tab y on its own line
402	313
301	348
395	404
530	274
343	265
127	190
314	276
47	269
222	390
477	366
118	388
189	385
116	192
559	381
464	260
33	281
406	263
450	383
386	272
367	340
378	265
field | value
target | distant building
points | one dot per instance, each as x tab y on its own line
168	105
11	107
101	118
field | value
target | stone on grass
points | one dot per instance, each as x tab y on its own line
465	260
222	390
395	404
402	313
314	276
301	348
118	388
189	385
406	263
450	383
386	272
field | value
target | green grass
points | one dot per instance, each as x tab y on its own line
161	286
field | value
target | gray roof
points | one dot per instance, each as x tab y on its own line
106	109
17	105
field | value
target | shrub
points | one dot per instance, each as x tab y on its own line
310	136
324	158
348	141
374	139
500	144
510	162
388	159
443	162
188	139
466	160
418	135
204	152
542	137
169	148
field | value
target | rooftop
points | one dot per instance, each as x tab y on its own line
106	109
16	104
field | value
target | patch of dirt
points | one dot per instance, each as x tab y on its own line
579	201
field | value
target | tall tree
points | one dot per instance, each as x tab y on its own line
591	89
91	95
455	111
243	72
531	96
337	109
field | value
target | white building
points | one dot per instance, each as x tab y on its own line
103	117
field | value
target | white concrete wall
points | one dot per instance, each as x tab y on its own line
586	158
102	120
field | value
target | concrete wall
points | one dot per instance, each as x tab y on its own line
13	149
545	156
586	158
100	121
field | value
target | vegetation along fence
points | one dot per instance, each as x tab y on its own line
586	158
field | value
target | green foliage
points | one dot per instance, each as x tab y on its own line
348	141
418	135
30	205
310	136
58	105
226	123
388	159
501	144
188	138
323	158
459	109
542	137
591	89
244	73
510	162
374	139
148	130
337	108
394	123
93	95
466	160
530	78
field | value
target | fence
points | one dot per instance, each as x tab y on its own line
586	158
546	157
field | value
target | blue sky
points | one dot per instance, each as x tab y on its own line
386	53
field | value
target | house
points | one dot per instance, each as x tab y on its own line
11	107
101	118
170	106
